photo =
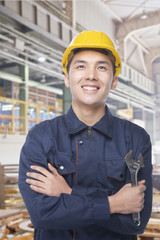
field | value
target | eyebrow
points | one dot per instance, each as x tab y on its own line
79	61
99	62
103	62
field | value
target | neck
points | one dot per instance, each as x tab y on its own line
89	115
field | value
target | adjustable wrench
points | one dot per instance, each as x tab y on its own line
134	167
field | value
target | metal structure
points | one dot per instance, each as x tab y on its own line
34	30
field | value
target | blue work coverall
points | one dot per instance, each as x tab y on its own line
91	159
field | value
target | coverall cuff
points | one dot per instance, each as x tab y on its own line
98	201
101	207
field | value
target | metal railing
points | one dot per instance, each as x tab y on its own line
17	117
137	79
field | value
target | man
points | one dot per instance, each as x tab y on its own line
77	184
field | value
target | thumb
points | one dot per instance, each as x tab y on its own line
52	169
128	185
142	182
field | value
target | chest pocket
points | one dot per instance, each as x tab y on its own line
112	174
62	161
64	164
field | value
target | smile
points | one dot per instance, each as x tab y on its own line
90	88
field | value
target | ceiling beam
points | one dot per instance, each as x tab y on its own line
113	13
136	24
130	29
149	58
31	83
135	41
141	42
150	38
7	65
135	10
15	16
142	61
140	45
31	64
10	77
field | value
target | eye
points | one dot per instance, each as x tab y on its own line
81	66
101	67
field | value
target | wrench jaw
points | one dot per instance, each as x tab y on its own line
130	162
134	167
140	160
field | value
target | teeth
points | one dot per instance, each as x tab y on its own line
90	88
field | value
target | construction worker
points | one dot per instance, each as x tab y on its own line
72	176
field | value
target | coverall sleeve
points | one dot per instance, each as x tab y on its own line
122	223
64	212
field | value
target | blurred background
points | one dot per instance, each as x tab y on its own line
33	37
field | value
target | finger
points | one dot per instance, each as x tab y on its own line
36	176
142	182
142	206
42	170
37	189
35	183
142	188
52	169
143	201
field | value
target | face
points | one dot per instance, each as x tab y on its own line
90	78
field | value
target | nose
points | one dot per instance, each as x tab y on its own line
91	75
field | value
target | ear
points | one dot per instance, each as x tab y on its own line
114	83
66	80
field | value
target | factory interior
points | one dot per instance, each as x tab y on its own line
33	37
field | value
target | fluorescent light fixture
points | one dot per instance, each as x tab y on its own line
144	15
41	59
43	80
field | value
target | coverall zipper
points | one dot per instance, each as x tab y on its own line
74	232
89	133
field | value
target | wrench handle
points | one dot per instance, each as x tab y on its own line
134	178
136	215
136	218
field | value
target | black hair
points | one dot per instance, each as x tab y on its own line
106	52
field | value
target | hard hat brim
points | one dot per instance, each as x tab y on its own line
113	51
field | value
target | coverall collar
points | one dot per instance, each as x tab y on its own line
104	125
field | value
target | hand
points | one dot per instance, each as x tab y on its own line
45	182
128	199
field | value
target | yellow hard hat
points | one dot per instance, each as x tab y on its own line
91	39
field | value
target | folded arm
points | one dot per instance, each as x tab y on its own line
50	206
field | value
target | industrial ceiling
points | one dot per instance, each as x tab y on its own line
137	21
